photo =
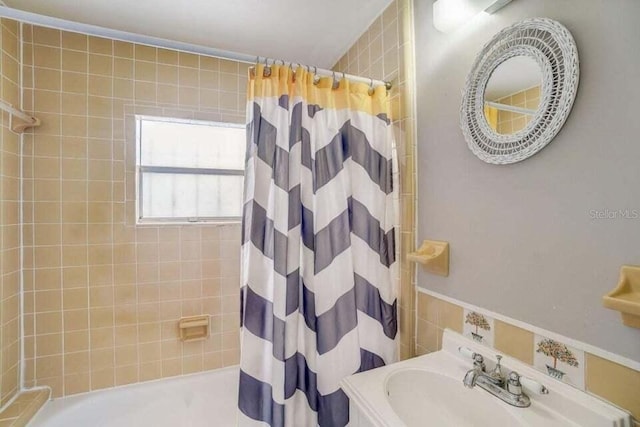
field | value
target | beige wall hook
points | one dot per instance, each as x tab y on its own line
433	255
18	125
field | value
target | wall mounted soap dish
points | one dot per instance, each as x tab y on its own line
433	255
194	328
626	296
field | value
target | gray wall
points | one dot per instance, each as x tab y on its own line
523	242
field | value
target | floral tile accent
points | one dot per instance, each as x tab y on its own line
478	327
559	360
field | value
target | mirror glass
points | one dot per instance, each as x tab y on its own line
512	95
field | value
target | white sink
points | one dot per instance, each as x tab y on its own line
428	391
417	395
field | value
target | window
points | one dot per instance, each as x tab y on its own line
188	170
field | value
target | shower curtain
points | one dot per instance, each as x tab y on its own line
318	246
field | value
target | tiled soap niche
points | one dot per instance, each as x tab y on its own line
553	357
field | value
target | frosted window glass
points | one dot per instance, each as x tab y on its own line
167	195
181	145
191	145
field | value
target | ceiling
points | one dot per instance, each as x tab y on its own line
310	32
512	76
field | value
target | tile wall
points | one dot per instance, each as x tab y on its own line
509	122
604	378
102	295
9	215
23	408
385	52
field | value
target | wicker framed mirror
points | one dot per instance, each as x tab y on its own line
520	91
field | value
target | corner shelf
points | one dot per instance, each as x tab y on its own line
625	298
433	255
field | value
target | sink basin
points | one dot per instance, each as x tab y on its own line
427	391
417	395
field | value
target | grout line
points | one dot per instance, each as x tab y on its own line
86	97
32	272
21	213
60	245
111	203
1	261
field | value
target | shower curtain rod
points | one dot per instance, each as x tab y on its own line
94	30
511	108
322	71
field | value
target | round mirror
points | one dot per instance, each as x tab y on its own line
512	95
519	91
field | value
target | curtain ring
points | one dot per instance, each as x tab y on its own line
371	89
316	77
253	70
336	83
267	69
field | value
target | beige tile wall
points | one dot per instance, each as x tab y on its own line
385	52
509	122
604	378
102	295
9	215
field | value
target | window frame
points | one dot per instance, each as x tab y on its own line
141	170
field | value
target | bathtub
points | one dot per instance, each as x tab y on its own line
207	399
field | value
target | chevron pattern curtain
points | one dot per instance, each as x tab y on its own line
319	246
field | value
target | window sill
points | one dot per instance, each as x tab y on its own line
151	223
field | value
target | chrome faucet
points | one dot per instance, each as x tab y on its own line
508	390
479	371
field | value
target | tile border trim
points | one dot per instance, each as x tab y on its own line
621	360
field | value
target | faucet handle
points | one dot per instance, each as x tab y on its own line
516	382
478	361
513	384
533	386
466	352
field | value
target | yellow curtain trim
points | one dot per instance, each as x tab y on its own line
299	83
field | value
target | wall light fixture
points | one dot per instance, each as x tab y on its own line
451	14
